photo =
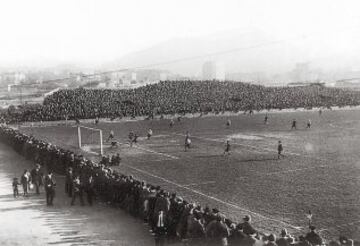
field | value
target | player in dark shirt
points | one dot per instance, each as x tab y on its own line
313	237
266	119
114	144
15	185
227	147
228	123
308	125
111	136
131	138
135	138
280	150
293	124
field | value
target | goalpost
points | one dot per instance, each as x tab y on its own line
90	139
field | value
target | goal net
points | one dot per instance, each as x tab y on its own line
90	139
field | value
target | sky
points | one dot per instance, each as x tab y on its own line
43	32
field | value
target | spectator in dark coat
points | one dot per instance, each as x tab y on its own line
77	191
246	226
90	191
238	237
303	242
284	239
196	232
50	185
69	177
37	178
25	179
271	240
217	232
160	229
313	237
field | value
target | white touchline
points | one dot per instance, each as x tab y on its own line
211	197
201	183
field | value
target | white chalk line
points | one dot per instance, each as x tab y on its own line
159	153
160	136
239	144
202	183
212	197
253	147
295	170
340	127
155	160
87	149
152	151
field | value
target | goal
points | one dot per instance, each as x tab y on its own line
90	139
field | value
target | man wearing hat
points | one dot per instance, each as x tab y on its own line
246	226
213	214
313	237
346	241
217	231
162	203
36	178
160	228
238	237
77	191
25	179
50	184
271	240
68	181
284	239
303	241
227	148
196	230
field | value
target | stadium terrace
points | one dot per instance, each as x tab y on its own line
179	97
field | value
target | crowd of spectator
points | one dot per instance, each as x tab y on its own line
170	217
179	97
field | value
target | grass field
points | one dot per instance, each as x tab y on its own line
320	171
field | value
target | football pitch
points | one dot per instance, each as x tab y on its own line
320	171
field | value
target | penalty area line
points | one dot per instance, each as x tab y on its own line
159	153
254	147
341	127
295	170
151	151
213	198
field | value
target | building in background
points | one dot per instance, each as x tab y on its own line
213	71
